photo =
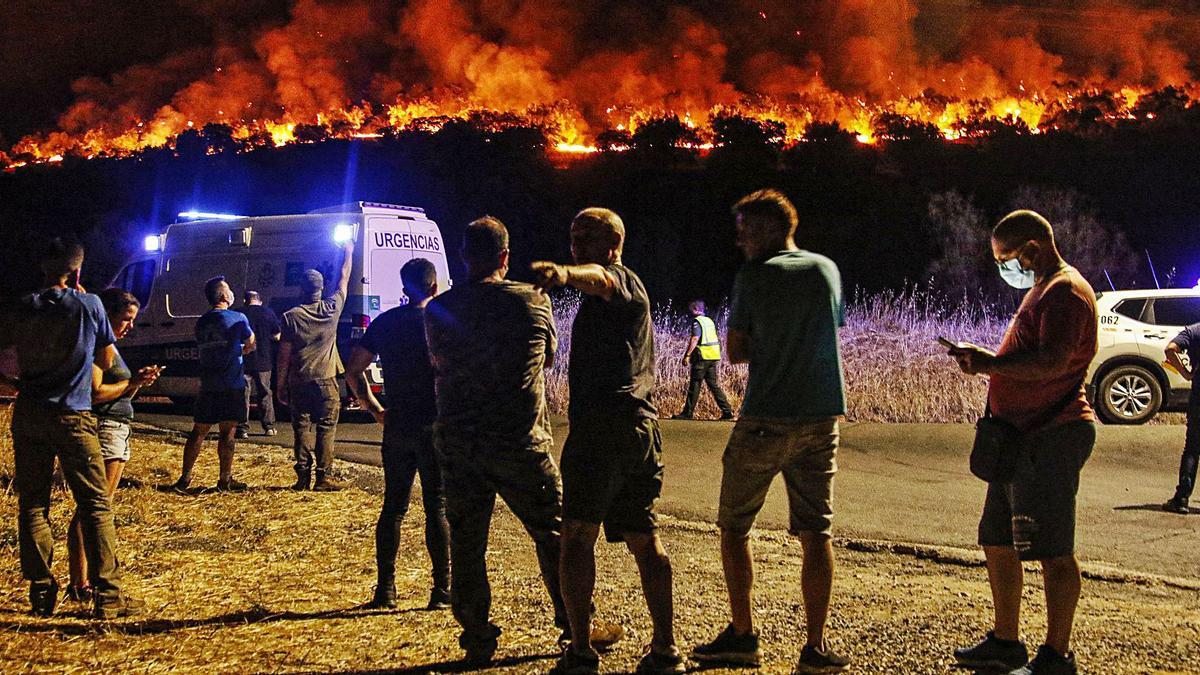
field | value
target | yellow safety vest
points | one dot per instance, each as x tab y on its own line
709	347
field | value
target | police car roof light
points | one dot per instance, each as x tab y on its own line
202	215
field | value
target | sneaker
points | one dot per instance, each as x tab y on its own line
181	486
383	598
439	599
1048	662
729	647
79	593
123	607
231	485
241	434
813	660
993	653
573	663
479	653
43	598
603	636
270	431
658	663
302	482
1176	505
728	417
326	484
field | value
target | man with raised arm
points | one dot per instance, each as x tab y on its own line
612	459
397	337
306	375
58	333
784	318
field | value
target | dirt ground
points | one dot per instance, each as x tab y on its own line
268	581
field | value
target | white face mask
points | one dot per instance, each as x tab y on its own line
1016	276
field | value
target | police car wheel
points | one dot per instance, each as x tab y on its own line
1128	395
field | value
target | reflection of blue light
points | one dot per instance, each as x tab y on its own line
1198	283
151	243
343	233
201	215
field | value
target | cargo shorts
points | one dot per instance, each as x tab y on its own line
1035	513
759	449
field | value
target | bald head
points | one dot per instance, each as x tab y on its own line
597	236
1021	226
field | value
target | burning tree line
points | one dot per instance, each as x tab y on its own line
931	117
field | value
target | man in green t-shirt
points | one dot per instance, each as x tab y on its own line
784	319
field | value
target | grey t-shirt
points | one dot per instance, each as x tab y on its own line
489	343
612	352
790	304
311	329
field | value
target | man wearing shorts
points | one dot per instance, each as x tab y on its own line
58	334
612	463
784	318
1036	383
398	338
223	337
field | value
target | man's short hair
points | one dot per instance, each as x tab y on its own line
61	256
697	306
1021	226
117	300
601	222
770	205
484	240
249	296
418	274
312	282
212	289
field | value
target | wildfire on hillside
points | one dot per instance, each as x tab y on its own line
590	78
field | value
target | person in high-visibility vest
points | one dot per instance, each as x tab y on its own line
704	355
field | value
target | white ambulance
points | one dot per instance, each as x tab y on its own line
267	254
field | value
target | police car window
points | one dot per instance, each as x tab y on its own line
1131	308
1176	311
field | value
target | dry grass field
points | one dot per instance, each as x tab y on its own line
270	580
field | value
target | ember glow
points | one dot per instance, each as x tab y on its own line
879	69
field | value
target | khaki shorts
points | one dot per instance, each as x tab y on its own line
760	449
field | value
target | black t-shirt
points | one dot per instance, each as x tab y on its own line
1189	341
265	324
612	352
398	337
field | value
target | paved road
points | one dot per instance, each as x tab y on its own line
909	483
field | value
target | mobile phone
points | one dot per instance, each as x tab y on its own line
947	343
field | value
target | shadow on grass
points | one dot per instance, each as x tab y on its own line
1152	507
84	625
458	666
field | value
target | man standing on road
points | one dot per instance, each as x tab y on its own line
58	333
398	337
703	354
1036	384
224	338
1188	341
612	459
490	341
306	377
784	319
258	363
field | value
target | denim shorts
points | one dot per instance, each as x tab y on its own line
760	449
114	439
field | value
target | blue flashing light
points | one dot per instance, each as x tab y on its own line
343	233
201	215
152	243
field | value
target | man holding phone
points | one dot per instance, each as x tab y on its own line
1036	384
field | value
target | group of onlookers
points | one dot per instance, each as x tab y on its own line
466	412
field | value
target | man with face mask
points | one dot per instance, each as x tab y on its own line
1036	384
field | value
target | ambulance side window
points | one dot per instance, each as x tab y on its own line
138	279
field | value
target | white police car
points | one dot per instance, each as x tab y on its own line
1129	381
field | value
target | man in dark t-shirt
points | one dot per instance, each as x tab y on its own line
223	338
259	363
611	462
397	337
1187	342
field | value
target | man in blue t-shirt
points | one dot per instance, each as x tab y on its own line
784	318
1188	341
58	333
223	337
